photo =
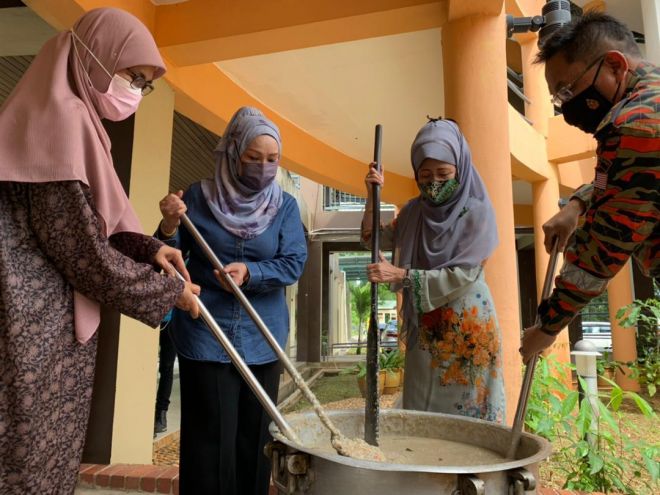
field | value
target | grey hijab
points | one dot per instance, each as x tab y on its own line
240	210
459	233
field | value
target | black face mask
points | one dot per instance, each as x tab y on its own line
588	108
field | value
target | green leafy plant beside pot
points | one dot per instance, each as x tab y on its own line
646	370
644	315
592	451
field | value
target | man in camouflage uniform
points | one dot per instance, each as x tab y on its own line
596	74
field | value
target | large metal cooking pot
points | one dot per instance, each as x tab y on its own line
306	469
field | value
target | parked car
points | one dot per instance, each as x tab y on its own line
389	336
599	333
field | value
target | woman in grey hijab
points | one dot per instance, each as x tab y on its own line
441	241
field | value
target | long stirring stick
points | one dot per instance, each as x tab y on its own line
371	406
338	441
521	409
245	371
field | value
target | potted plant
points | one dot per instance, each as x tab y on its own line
606	370
392	364
646	370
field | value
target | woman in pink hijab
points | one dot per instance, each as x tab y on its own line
70	241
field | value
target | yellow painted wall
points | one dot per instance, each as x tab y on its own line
137	364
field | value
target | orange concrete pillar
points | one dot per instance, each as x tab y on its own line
624	341
539	110
546	198
474	58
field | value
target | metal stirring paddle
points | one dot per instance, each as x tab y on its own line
245	372
521	409
343	445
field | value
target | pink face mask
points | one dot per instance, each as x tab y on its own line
257	176
121	100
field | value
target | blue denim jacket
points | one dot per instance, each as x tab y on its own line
275	259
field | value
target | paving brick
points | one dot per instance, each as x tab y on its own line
86	478
164	481
175	485
148	479
118	480
102	478
135	474
84	467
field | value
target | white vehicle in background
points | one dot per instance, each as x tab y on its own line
599	333
389	336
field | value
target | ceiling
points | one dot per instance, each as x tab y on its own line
335	92
339	92
628	11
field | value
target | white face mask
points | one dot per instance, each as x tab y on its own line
121	100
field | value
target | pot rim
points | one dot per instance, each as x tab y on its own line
544	451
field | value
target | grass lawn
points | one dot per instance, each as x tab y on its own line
329	389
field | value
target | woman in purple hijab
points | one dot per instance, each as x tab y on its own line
255	229
441	240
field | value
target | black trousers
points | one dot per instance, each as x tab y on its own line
224	429
166	357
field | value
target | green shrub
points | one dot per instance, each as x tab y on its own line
644	316
594	453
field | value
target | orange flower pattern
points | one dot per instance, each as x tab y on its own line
464	343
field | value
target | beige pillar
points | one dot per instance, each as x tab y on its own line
624	341
137	362
651	19
474	66
546	199
539	110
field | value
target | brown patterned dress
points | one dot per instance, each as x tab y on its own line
50	242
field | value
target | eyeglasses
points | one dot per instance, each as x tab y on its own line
565	93
138	81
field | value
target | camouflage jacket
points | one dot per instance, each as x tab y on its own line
623	203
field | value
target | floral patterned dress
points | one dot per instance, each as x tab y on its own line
50	242
453	359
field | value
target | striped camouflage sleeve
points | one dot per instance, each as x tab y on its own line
620	217
584	194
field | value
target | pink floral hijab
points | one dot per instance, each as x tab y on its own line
50	129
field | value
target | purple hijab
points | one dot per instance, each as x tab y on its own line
461	232
240	210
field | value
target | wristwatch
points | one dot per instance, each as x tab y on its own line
406	283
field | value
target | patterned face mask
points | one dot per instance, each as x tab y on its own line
439	192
